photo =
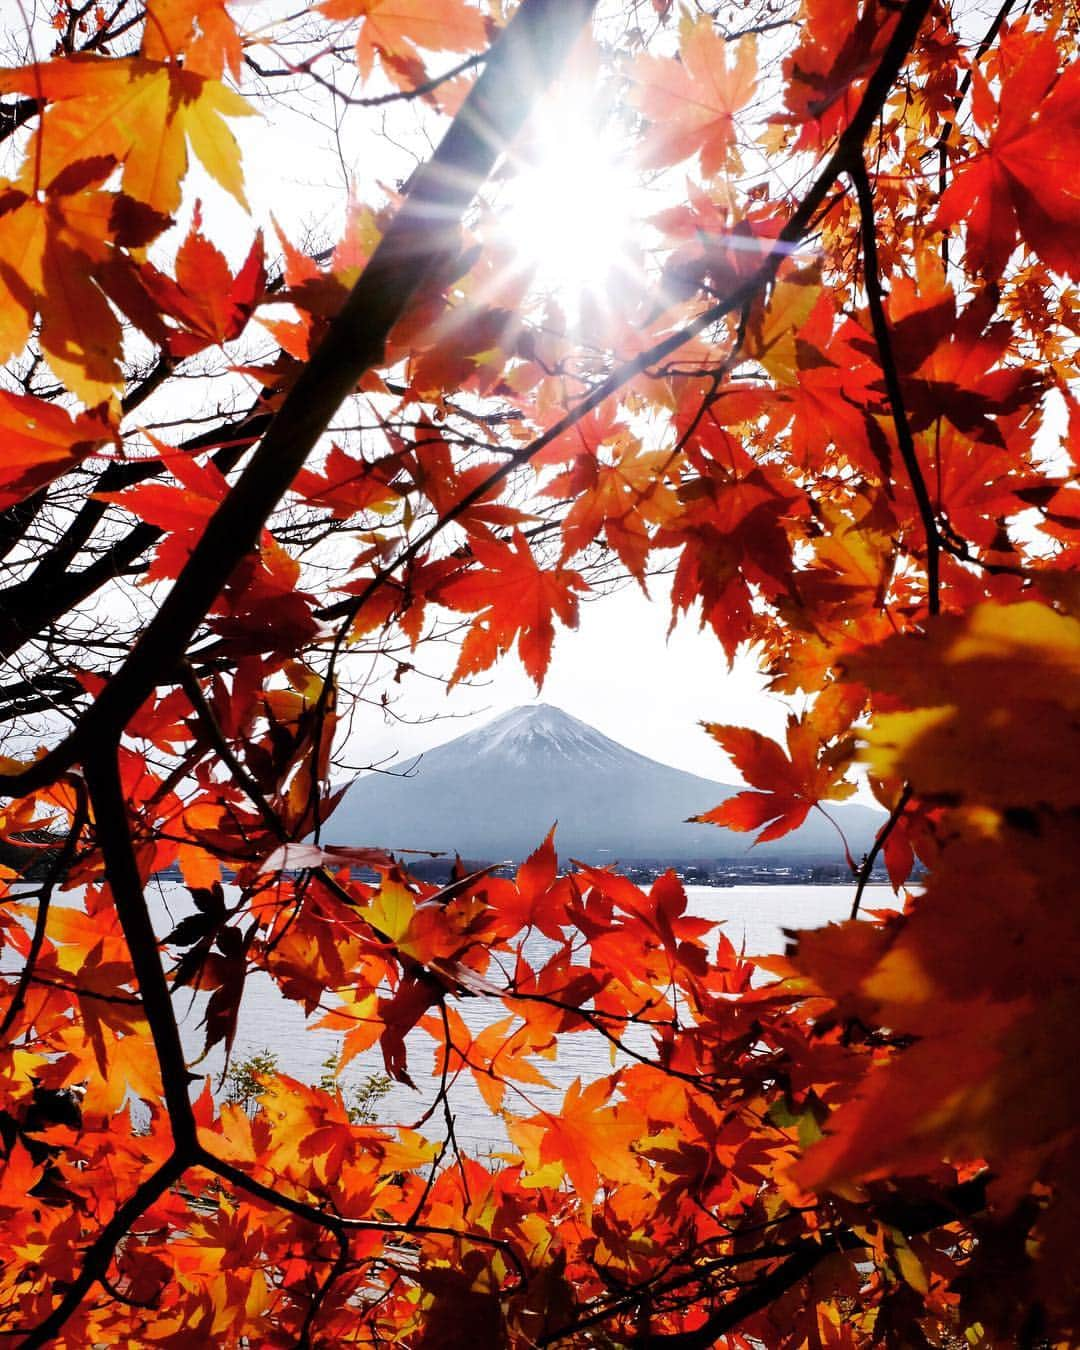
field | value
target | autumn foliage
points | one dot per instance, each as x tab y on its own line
836	402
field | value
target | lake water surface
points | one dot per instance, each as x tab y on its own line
752	915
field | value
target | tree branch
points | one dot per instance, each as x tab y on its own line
99	1254
958	1203
113	832
16	115
339	1226
905	440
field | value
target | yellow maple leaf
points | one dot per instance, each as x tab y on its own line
391	911
143	113
993	700
771	335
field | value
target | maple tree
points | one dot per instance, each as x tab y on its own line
837	401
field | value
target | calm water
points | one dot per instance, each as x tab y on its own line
754	915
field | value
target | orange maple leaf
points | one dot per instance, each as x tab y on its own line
395	29
211	304
517	599
691	103
200	31
182	512
18	1177
41	442
445	484
403	599
789	784
345	485
538	896
621	498
588	1138
63	255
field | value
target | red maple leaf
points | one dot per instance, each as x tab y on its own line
1026	180
517	600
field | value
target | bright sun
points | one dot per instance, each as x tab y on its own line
571	206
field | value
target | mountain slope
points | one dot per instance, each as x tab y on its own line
495	792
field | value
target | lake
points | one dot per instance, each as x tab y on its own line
752	915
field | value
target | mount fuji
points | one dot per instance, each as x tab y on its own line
496	791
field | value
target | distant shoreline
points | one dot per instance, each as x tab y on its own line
718	876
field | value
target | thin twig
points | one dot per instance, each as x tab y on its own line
80	991
59	866
372	100
880	840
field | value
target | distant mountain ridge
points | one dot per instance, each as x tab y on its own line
495	792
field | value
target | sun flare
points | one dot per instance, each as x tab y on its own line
573	204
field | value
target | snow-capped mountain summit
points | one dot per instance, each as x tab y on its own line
536	733
495	792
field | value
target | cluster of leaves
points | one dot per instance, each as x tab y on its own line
842	414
